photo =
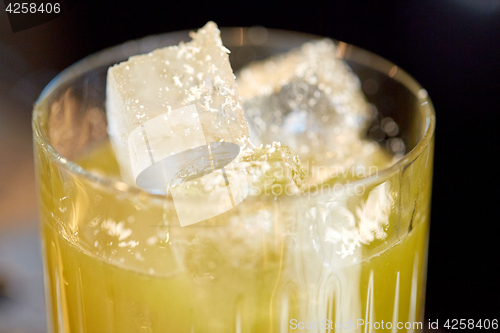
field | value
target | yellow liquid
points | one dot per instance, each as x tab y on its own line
205	280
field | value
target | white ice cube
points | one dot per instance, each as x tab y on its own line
158	86
307	99
175	119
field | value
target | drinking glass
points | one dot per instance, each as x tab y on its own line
352	258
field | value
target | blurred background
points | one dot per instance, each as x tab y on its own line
451	47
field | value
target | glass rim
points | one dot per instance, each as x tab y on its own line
347	52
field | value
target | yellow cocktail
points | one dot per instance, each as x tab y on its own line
316	261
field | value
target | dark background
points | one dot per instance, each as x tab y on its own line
451	47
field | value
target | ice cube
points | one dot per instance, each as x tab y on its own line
176	122
273	170
172	100
307	99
